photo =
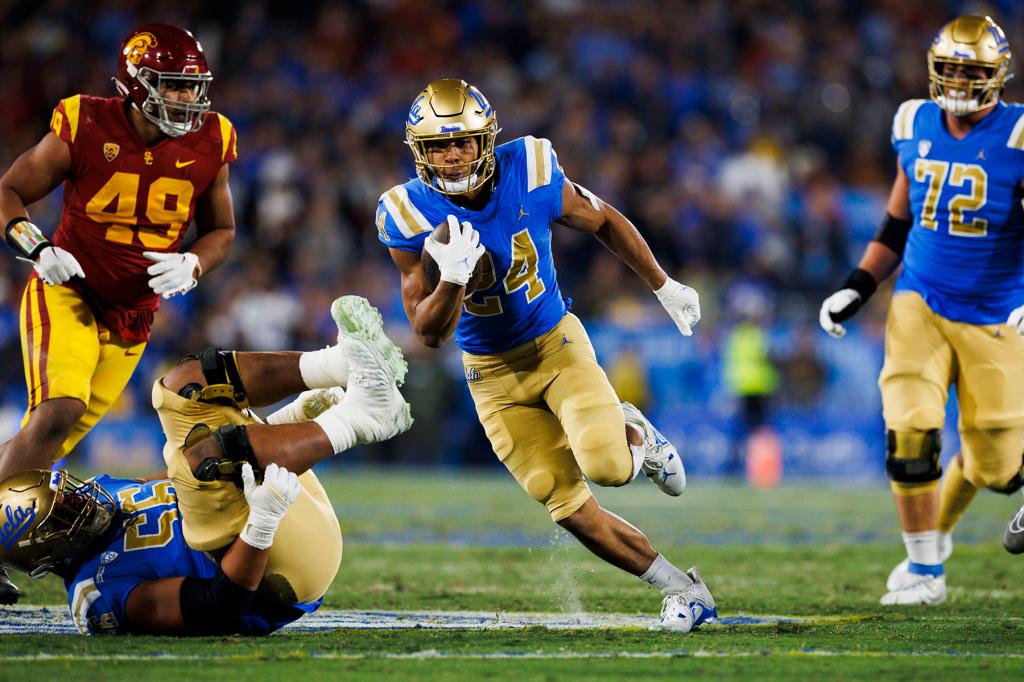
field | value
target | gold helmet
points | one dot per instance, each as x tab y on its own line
972	41
450	109
48	517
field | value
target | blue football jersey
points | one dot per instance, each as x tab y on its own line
145	543
965	252
518	299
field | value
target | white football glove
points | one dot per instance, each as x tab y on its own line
173	273
842	304
1016	319
308	405
682	304
268	503
55	265
458	257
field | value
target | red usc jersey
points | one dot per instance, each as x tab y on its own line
123	198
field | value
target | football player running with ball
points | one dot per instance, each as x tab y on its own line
208	549
136	170
547	407
955	219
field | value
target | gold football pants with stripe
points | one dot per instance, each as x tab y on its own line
552	416
68	354
306	553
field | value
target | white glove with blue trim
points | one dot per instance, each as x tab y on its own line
173	273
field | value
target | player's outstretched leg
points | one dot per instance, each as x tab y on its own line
660	460
1013	536
9	592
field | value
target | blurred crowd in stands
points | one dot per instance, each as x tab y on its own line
748	141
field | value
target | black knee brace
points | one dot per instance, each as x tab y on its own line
223	382
913	456
236	450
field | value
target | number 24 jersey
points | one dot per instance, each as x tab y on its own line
518	299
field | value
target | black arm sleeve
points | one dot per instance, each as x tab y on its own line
893	233
212	605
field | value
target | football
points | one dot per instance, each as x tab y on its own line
432	273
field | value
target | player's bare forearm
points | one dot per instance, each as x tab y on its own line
433	316
879	261
213	247
244	564
215	222
32	176
584	211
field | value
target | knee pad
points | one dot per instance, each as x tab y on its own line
1013	485
235	449
223	382
912	460
994	458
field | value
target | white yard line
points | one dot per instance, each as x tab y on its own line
54	620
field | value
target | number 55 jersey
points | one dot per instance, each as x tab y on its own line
123	198
965	253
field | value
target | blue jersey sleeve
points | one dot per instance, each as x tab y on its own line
400	224
99	609
544	177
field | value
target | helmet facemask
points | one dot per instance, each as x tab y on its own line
174	118
961	96
432	174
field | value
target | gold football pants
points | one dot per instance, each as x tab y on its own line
925	353
552	417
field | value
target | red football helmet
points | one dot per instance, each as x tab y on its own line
158	57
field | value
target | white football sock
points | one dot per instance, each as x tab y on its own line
336	425
666	577
923	547
324	368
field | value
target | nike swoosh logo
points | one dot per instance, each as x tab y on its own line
131	354
182	164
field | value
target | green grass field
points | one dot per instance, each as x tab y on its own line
477	543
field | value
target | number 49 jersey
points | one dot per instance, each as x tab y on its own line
518	299
965	252
123	197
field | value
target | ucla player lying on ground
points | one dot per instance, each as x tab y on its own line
207	550
955	219
549	411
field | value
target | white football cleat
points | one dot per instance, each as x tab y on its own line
687	610
662	463
358	320
373	405
928	590
901	576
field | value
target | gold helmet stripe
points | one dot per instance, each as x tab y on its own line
538	162
85	594
408	218
903	122
1017	135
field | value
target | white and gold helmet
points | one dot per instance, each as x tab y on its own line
973	41
449	109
